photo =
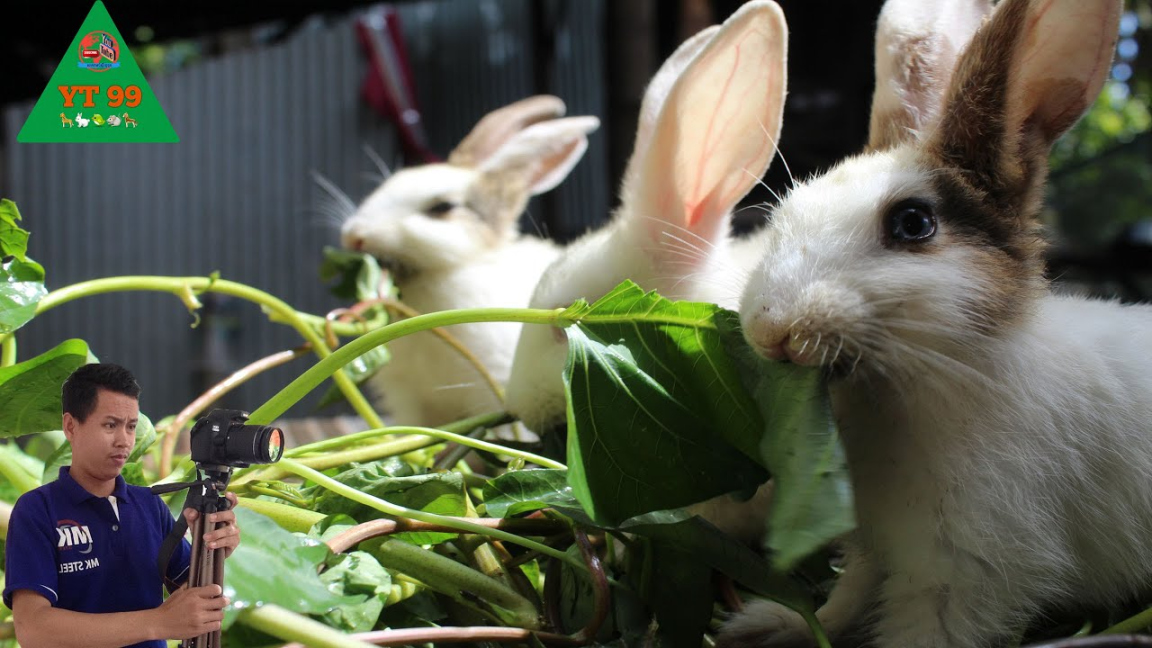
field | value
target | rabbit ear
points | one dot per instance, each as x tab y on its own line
1029	75
495	128
917	45
542	154
662	81
715	132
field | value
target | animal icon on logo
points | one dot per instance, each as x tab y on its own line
128	121
65	121
81	122
113	120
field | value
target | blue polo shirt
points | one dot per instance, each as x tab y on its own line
74	549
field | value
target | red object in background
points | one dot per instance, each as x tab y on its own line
388	86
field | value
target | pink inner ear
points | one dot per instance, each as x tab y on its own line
713	190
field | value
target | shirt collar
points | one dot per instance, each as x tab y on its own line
77	493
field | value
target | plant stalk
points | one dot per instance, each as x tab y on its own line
328	366
181	287
16	474
289	626
401	512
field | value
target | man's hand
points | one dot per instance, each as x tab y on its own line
227	537
191	612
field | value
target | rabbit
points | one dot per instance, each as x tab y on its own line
996	433
448	232
708	128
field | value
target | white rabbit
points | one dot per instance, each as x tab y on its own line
449	234
997	435
708	129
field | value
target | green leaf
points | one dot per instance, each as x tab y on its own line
658	417
145	437
356	572
812	500
358	275
13	239
21	289
697	537
522	491
272	565
30	390
441	493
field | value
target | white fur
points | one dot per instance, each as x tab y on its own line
708	129
463	259
999	468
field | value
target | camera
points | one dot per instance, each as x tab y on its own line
222	438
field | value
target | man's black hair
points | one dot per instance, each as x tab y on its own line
83	386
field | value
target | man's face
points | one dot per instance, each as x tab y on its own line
102	442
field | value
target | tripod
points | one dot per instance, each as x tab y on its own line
206	496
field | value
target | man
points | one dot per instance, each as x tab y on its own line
82	550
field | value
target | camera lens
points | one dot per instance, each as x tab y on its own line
255	444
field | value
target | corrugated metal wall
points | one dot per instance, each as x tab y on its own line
235	194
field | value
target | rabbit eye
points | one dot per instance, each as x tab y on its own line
440	209
911	222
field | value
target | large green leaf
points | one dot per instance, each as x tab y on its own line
21	278
812	500
21	289
30	390
658	417
272	565
522	491
356	572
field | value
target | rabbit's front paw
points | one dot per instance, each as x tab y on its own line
766	624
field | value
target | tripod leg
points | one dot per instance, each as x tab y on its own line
217	559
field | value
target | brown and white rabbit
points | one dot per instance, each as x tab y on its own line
998	436
708	129
449	233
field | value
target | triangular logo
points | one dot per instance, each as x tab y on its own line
97	93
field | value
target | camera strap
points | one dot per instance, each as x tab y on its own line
193	499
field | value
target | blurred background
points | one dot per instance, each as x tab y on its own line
268	96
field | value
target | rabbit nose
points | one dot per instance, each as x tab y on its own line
769	338
354	243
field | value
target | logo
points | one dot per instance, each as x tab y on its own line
114	105
99	51
73	535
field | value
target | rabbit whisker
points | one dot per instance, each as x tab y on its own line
385	172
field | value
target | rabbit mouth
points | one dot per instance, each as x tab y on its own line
396	268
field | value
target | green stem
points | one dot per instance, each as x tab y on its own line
479	444
288	517
332	460
308	380
277	309
8	351
399	511
16	474
289	626
463	426
459	582
817	629
1132	625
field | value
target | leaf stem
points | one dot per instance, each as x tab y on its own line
16	474
817	629
278	310
1138	623
289	626
328	366
388	508
8	351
